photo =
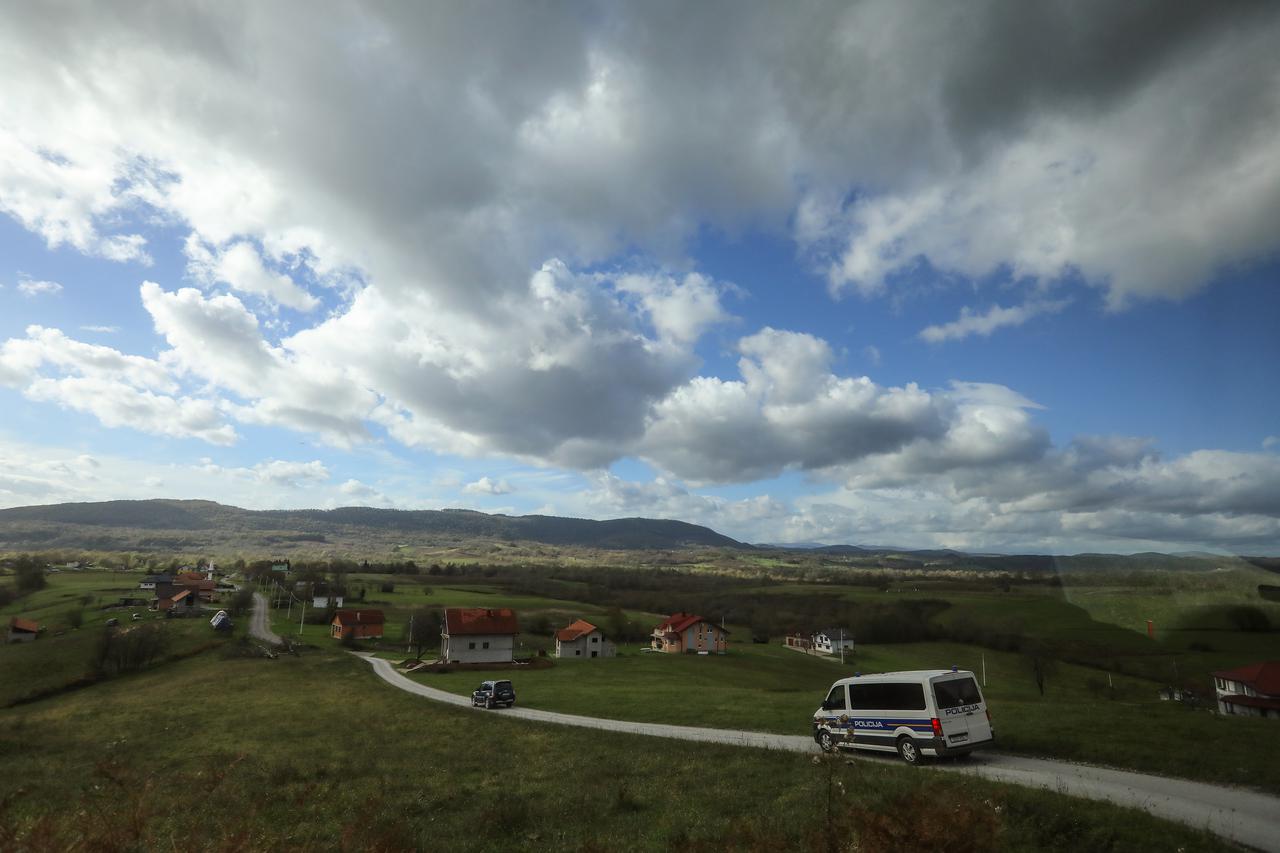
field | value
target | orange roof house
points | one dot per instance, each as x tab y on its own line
1249	691
22	630
478	635
358	624
687	632
180	600
581	639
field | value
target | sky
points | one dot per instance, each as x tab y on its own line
989	276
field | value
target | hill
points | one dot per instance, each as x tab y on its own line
200	525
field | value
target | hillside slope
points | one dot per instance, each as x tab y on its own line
174	524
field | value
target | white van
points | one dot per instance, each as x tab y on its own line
925	712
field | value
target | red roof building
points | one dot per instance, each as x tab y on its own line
1249	691
691	634
581	639
22	630
358	624
478	635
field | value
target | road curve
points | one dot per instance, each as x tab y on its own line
259	625
1245	817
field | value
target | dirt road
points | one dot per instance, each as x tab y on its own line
1246	817
259	625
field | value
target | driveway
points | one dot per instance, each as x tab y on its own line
1246	817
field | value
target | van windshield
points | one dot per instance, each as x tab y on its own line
956	692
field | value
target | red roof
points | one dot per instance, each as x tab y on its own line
1262	677
480	620
17	623
1251	701
574	630
359	617
178	596
677	622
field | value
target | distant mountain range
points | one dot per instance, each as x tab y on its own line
195	525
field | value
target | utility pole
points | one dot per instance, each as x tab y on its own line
984	669
841	646
302	617
409	646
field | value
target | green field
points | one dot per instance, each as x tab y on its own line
314	752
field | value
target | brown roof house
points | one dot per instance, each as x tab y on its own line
22	630
357	624
478	635
685	632
1249	691
581	639
178	601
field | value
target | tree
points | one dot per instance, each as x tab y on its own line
75	617
1041	666
421	629
30	573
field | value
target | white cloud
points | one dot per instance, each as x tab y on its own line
487	486
240	266
996	317
31	287
292	475
105	330
1271	442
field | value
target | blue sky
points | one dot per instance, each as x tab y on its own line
637	262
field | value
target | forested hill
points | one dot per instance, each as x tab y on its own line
161	524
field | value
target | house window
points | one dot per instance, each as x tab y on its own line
486	645
471	645
595	639
577	652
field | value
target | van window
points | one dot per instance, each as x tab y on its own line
887	696
957	692
835	699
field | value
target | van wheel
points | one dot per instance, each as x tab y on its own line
488	703
908	750
826	741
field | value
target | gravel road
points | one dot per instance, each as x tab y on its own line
1246	817
259	626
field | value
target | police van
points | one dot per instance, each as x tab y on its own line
935	712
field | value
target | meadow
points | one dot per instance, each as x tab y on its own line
222	752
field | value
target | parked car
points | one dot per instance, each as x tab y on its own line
491	694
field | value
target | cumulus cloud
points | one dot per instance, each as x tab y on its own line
996	317
241	267
487	486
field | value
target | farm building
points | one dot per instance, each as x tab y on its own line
152	581
1249	691
180	601
799	640
22	630
323	601
831	640
358	624
685	632
478	635
581	639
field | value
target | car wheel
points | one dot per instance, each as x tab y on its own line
488	703
909	751
826	741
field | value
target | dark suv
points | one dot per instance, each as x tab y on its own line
494	693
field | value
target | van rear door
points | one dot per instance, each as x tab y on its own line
961	709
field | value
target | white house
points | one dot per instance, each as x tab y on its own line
581	639
1249	691
322	600
831	640
150	581
478	635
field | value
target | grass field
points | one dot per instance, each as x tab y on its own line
315	753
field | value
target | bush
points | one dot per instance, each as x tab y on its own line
119	651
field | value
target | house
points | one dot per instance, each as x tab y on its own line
581	639
280	568
202	589
799	641
478	635
832	640
180	601
685	632
22	630
152	581
357	624
1249	691
323	601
